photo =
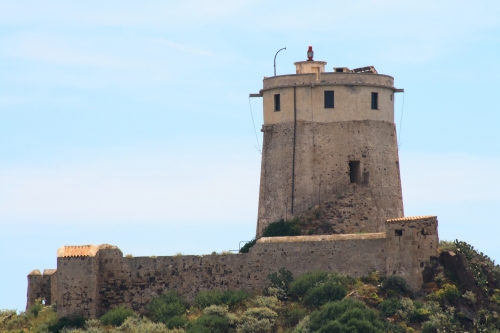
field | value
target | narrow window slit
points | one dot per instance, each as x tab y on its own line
354	171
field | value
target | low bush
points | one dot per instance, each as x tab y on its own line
301	285
167	309
282	228
68	322
442	321
270	302
280	279
487	321
324	293
208	324
248	246
396	285
292	316
390	306
35	308
116	317
346	316
447	246
257	320
142	325
449	291
216	297
216	310
233	297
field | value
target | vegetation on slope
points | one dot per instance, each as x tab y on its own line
461	294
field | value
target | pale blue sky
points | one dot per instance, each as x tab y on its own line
128	122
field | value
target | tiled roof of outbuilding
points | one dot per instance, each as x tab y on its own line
81	250
411	218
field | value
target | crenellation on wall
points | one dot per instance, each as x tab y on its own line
42	287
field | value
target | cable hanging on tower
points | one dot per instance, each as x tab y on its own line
254	129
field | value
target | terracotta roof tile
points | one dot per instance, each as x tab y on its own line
411	218
77	251
82	250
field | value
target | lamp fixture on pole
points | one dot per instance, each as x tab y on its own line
275	59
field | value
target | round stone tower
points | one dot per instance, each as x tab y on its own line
330	148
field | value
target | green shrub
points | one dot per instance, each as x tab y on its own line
389	307
216	310
116	317
303	325
396	285
167	309
301	285
248	246
207	298
345	316
447	246
257	320
324	293
216	297
270	302
208	324
280	279
68	322
292	316
442	321
142	325
35	308
449	291
282	228
487	321
233	297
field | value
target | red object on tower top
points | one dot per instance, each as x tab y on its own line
310	54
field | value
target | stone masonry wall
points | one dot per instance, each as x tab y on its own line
410	244
322	155
41	287
90	280
90	286
77	286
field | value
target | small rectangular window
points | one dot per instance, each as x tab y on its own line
374	101
354	171
329	99
398	232
277	104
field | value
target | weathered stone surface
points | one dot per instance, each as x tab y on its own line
90	285
322	174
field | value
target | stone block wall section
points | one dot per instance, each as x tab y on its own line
320	175
410	243
41	287
93	279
